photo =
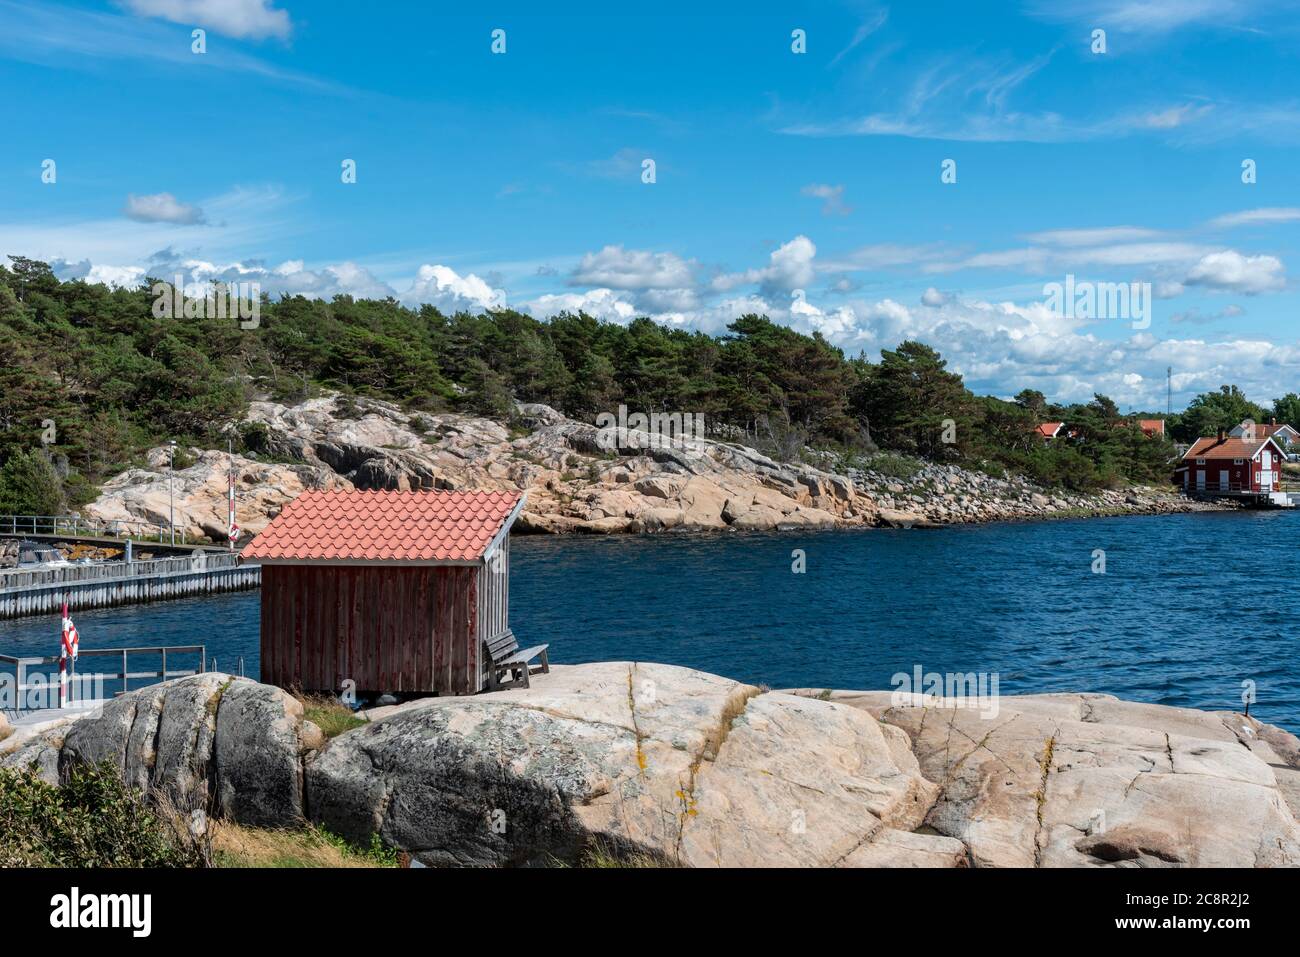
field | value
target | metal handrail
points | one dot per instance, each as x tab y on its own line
79	526
25	664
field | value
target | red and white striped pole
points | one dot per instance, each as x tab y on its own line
68	649
63	659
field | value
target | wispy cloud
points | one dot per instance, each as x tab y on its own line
1147	16
49	34
624	165
255	19
874	22
1094	236
832	198
1257	217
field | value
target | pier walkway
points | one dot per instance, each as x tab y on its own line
42	591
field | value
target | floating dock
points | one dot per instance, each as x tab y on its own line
43	591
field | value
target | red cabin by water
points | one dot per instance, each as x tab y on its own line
1232	465
395	591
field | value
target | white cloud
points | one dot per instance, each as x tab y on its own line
1251	217
1093	237
1169	265
789	267
290	278
620	268
1002	347
1175	116
113	276
161	208
934	298
256	19
1230	270
443	288
832	198
603	304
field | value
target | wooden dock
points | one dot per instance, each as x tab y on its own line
42	591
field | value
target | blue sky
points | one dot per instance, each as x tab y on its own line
806	186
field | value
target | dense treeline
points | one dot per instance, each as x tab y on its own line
112	378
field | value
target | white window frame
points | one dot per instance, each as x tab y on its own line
1200	461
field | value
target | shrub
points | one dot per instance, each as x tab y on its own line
93	820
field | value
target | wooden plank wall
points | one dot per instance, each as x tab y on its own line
387	628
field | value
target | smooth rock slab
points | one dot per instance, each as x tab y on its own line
688	767
1087	780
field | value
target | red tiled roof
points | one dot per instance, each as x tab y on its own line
1231	447
1156	426
1266	430
1048	429
351	525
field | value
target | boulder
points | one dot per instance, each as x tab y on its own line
39	754
207	741
159	737
658	486
895	518
260	734
680	765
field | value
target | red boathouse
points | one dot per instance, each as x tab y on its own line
395	591
1231	465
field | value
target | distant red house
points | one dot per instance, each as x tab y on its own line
1231	464
1049	430
395	591
1152	427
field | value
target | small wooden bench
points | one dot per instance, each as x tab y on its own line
505	658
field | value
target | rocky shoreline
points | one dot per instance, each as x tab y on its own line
656	763
575	484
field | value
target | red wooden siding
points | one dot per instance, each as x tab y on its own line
387	628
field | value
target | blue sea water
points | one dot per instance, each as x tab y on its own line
1189	607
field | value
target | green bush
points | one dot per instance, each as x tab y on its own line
93	820
29	485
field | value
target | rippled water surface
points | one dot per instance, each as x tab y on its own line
1190	607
